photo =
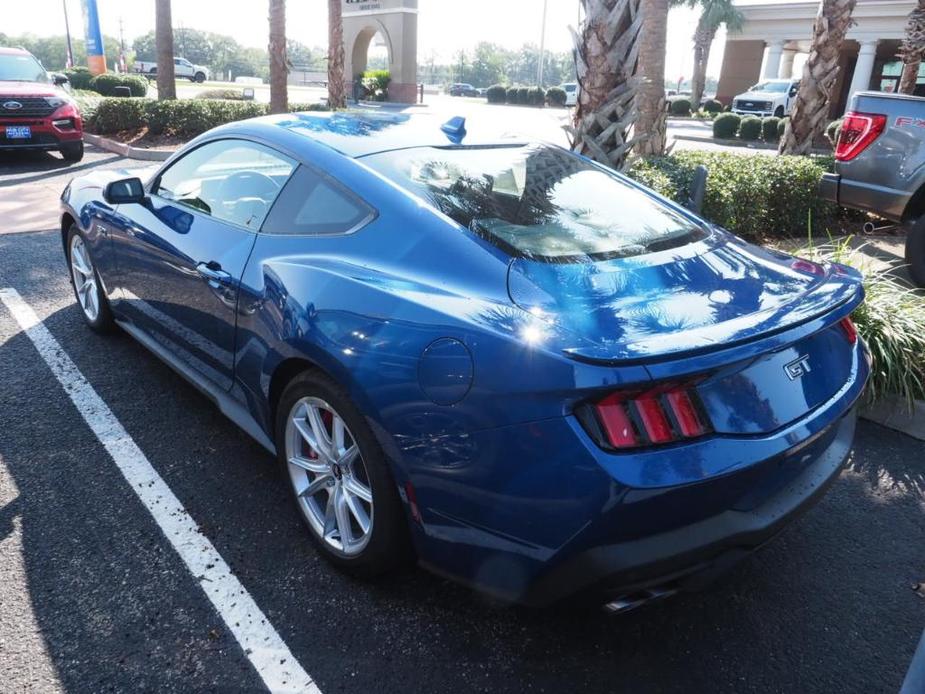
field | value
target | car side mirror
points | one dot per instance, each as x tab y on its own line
793	91
58	79
124	191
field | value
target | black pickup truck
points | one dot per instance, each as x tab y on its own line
880	166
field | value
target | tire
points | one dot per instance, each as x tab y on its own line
779	112
100	320
199	77
72	151
915	250
386	545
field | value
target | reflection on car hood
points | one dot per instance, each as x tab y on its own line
691	299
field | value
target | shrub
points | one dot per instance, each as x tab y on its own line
713	106
832	131
79	77
230	94
523	95
680	107
750	128
726	126
536	96
770	129
114	115
756	197
106	84
511	95
782	125
306	106
891	320
497	94
376	83
556	96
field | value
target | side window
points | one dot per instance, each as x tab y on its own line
232	180
314	205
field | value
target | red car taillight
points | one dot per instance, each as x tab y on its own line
850	330
664	414
858	131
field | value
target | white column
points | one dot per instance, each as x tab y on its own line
786	65
864	68
772	62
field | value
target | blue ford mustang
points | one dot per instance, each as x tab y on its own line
486	353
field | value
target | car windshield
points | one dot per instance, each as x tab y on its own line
538	201
771	87
21	68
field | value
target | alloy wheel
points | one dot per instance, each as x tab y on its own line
329	476
84	279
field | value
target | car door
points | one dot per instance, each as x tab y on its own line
181	260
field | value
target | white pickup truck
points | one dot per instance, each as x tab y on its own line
767	98
181	68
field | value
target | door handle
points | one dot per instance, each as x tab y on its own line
213	271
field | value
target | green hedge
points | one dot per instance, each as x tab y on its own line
556	96
79	77
106	84
750	129
496	94
230	94
714	106
536	96
756	197
770	129
181	118
726	126
680	106
511	95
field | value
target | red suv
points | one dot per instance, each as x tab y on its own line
35	112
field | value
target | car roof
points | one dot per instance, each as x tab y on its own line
4	50
361	133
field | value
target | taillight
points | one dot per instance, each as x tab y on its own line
858	130
849	328
807	266
664	414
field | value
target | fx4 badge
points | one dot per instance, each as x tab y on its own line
798	367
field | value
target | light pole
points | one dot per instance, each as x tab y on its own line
67	32
539	68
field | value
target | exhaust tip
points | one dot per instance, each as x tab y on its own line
630	601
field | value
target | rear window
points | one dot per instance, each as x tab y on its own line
538	201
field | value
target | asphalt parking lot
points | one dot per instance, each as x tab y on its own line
95	597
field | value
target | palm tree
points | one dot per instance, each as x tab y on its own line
163	37
713	14
279	63
913	48
650	100
606	52
810	110
336	96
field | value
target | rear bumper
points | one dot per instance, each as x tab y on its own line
689	557
888	203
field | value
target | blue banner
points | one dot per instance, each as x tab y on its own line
94	38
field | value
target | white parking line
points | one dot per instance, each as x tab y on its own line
264	647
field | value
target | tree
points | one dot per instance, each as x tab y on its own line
163	29
912	50
713	14
279	63
650	100
336	96
606	50
810	110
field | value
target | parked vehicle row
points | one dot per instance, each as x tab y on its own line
35	111
880	166
487	353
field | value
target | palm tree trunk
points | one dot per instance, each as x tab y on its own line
703	41
652	121
912	50
279	63
163	37
606	53
810	111
336	83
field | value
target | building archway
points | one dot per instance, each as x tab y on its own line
397	22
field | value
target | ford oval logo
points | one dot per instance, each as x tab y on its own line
12	105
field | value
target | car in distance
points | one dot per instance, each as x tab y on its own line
35	111
571	93
181	68
877	169
520	367
463	89
774	97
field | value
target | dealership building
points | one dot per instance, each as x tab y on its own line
773	34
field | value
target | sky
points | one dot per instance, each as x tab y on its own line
443	29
